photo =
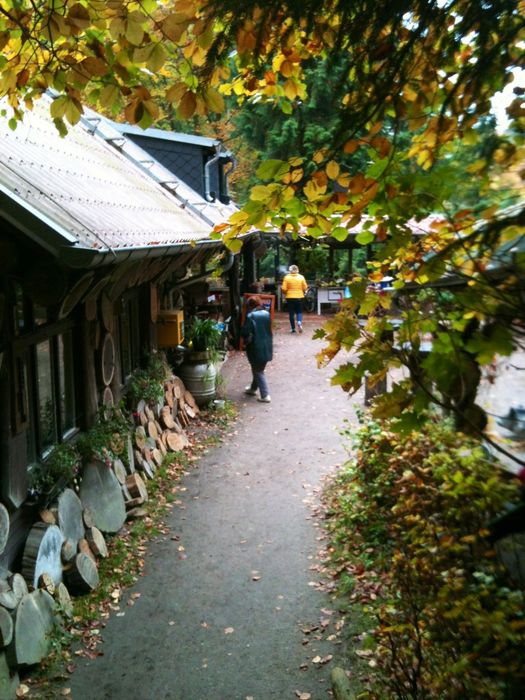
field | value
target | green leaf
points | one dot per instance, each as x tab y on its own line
365	237
272	169
377	169
157	58
340	233
294	207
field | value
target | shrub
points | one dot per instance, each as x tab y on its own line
448	622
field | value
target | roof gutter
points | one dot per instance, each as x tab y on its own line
207	167
36	226
203	275
88	258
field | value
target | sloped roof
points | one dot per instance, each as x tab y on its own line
81	193
177	136
215	212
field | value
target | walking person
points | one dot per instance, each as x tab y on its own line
257	334
293	287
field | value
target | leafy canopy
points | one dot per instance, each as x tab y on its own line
414	79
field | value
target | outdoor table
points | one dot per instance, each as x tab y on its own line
329	295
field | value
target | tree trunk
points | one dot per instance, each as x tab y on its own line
63	600
100	492
4	527
84	548
82	576
35	617
42	553
120	471
6	628
70	517
137	487
97	542
9	681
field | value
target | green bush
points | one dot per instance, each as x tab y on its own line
60	470
147	384
410	515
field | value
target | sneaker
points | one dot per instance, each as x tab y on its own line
293	330
267	399
300	327
251	392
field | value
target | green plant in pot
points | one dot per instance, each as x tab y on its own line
60	470
199	369
204	337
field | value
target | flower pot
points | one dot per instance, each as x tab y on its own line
200	378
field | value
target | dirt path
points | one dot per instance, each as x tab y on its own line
224	620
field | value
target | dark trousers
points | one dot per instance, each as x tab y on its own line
295	308
259	379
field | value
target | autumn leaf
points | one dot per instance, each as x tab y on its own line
332	170
187	105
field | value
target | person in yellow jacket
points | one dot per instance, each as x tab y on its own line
293	287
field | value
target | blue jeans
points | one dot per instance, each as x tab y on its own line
295	308
259	379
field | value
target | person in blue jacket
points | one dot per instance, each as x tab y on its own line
258	341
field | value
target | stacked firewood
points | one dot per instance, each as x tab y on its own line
159	429
63	548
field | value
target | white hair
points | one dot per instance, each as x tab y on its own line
293	268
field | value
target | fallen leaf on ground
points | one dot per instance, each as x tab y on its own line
303	696
229	630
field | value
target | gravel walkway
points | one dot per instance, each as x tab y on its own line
238	614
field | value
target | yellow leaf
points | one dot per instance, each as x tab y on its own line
240	217
260	193
294	176
425	159
73	111
476	166
290	89
332	169
409	94
287	69
176	92
109	96
235	245
310	190
187	105
214	100
157	58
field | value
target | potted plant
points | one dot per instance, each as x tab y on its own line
204	337
60	470
199	369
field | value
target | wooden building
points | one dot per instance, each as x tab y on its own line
95	234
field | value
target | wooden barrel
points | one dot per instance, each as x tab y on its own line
200	378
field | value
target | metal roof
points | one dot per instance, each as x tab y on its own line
82	193
213	213
177	136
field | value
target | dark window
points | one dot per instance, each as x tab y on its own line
44	388
129	335
47	414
